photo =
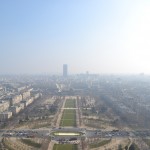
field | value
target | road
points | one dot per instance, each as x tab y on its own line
44	133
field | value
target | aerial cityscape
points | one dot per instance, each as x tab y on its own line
75	75
80	112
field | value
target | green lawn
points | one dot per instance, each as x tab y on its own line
69	115
68	123
31	143
70	103
65	147
68	119
102	143
69	111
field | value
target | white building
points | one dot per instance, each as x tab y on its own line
25	95
27	101
16	108
4	105
15	99
5	115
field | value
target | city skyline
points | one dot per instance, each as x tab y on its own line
102	37
65	70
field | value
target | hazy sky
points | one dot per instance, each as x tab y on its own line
99	36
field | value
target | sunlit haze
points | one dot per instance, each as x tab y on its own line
99	36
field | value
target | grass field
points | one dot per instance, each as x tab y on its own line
65	147
70	103
68	118
68	123
69	115
102	143
31	143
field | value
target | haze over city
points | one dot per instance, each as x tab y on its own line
96	36
75	75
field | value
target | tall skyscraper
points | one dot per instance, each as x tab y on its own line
65	70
